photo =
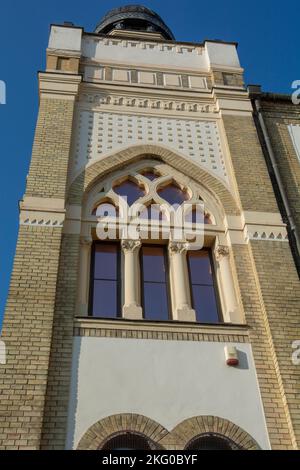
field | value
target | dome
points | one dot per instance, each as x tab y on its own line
136	18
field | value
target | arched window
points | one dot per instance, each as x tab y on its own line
212	441
155	277
128	441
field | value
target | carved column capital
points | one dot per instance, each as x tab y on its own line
178	247
86	241
221	251
130	245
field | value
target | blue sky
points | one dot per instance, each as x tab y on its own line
267	33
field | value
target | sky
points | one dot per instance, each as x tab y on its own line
267	32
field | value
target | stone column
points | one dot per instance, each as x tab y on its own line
84	275
182	305
231	311
132	308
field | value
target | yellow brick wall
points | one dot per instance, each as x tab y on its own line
277	116
260	340
29	315
27	331
254	185
279	284
51	148
57	396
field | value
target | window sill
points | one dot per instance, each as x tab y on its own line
173	330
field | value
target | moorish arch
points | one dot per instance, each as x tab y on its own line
100	189
103	167
183	436
110	427
190	429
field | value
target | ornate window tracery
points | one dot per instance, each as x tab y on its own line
151	189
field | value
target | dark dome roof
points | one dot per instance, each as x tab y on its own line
135	17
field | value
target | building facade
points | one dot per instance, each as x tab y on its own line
131	342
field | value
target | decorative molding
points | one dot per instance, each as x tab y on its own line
178	247
281	236
130	245
89	44
221	251
62	85
173	331
98	99
42	219
86	241
100	133
95	73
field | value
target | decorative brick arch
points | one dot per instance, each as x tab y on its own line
102	167
177	439
101	431
189	429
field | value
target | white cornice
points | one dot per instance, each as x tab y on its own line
59	84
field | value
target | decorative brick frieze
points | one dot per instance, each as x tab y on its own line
171	331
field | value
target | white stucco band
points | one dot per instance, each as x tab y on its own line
167	381
65	38
294	131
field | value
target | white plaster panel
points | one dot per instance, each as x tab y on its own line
141	52
93	73
222	54
167	381
198	82
120	75
97	134
65	38
147	78
294	131
172	80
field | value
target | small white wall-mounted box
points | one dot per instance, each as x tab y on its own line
231	356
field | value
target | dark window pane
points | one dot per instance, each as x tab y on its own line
155	293
200	267
129	189
106	209
127	441
205	304
153	212
207	219
105	299
105	263
155	301
150	175
195	216
212	442
173	194
105	280
154	264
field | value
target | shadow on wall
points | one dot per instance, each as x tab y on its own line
73	400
